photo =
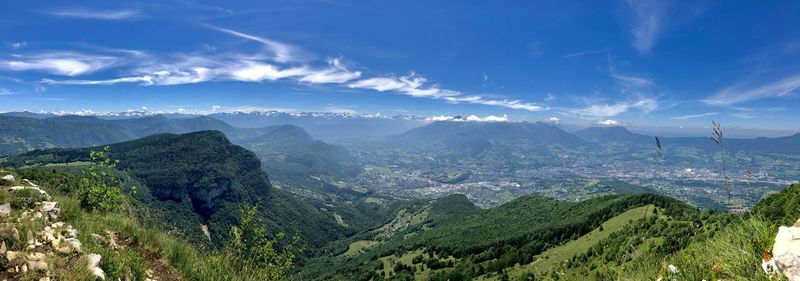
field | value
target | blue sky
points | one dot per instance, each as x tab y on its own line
645	63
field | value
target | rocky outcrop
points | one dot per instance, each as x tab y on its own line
7	180
53	240
786	251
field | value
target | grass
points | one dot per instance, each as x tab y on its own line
190	263
733	254
359	246
548	260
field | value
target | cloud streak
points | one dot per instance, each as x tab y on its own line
149	70
694	116
610	110
6	92
283	52
646	23
739	93
59	63
82	13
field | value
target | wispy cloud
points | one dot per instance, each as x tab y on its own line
694	116
83	13
646	23
742	93
60	63
584	53
611	110
743	115
336	73
6	92
630	81
283	52
287	63
17	45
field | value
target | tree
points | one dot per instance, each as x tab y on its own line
254	254
100	187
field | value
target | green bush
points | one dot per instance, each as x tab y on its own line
100	187
252	255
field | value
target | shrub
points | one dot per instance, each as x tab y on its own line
252	255
100	186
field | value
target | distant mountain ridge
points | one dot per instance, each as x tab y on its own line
327	125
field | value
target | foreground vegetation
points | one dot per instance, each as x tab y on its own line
95	200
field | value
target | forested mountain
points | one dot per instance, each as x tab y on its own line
199	179
289	153
475	243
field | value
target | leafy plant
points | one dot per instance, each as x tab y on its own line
254	253
100	186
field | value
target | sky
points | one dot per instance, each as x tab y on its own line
636	63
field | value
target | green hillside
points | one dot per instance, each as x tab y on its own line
199	179
476	243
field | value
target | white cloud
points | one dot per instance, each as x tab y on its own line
256	72
215	108
694	116
611	110
554	120
550	97
60	63
743	115
147	80
81	13
632	82
283	52
6	92
469	118
336	73
609	122
17	45
411	85
739	93
646	24
149	70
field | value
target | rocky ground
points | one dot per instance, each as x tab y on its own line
38	244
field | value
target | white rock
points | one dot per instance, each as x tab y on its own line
29	182
672	268
7	180
71	232
12	255
5	210
786	252
94	265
